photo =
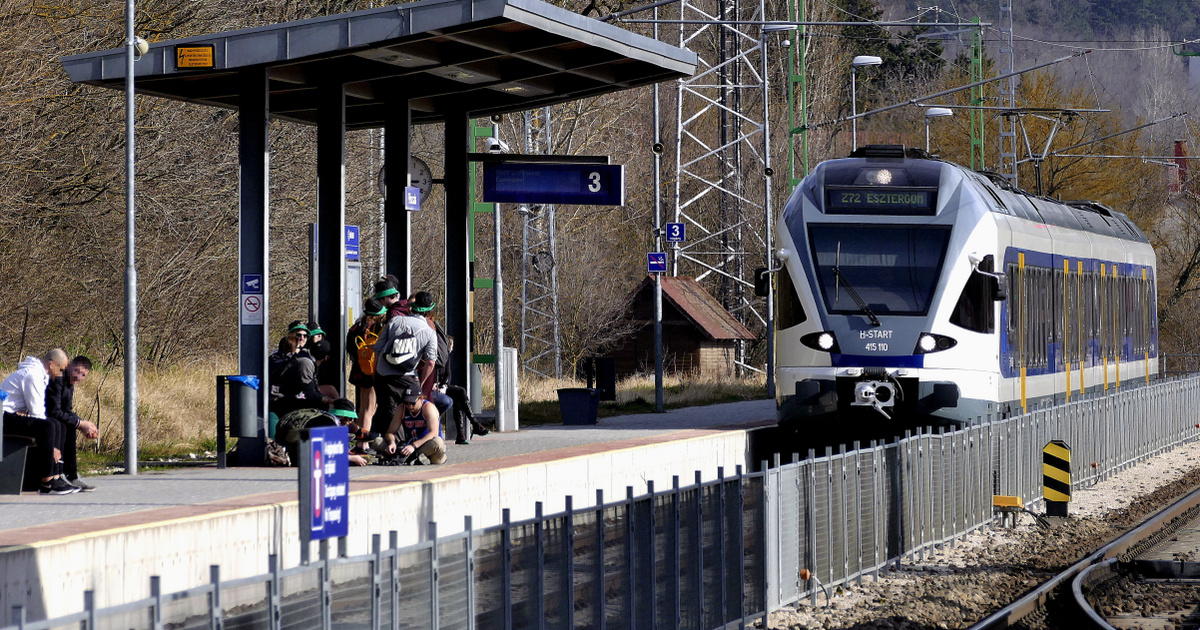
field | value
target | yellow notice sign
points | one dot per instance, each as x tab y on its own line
194	56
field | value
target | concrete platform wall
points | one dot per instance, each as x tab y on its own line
49	577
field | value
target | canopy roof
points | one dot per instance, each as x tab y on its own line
482	56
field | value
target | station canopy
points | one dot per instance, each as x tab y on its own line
482	56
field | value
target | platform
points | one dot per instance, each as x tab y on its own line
175	524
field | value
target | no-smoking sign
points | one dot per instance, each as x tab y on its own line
252	309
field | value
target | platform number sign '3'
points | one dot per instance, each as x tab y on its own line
676	232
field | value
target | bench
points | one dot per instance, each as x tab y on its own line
14	451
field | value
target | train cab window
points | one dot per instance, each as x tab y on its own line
791	312
976	310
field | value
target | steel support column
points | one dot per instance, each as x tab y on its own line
331	221
397	129
254	157
458	244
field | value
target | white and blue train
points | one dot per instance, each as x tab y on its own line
914	291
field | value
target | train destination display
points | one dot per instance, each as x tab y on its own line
862	200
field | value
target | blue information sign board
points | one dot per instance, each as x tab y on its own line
578	184
412	198
325	484
676	232
656	262
351	242
252	283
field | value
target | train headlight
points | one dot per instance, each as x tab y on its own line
824	341
929	342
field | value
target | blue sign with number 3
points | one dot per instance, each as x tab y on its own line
676	232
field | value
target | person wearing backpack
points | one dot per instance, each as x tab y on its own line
360	346
407	346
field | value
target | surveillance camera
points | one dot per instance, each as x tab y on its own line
496	145
497	118
140	46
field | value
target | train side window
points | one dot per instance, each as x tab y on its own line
791	312
1014	299
975	310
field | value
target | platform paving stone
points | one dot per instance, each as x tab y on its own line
122	494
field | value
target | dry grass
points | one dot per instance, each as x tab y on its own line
177	405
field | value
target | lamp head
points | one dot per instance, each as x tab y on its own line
865	60
938	112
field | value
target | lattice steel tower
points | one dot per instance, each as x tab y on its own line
1008	96
720	186
540	349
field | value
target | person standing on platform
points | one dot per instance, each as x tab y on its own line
25	415
407	346
60	407
360	350
421	304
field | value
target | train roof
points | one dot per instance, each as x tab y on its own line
922	169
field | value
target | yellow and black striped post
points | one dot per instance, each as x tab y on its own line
1056	477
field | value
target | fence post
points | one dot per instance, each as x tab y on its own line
376	579
810	521
600	533
156	593
470	569
506	566
274	609
675	555
698	550
18	616
393	547
722	564
569	554
215	616
434	578
858	508
539	592
741	544
630	558
652	555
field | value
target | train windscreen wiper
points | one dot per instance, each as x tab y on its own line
839	278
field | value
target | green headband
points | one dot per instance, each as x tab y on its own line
299	327
424	309
343	413
316	331
385	293
381	311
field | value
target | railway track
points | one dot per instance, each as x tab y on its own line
1147	578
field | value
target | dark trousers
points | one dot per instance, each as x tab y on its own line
70	462
444	405
463	418
48	435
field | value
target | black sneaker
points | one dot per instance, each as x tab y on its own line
462	441
366	436
57	485
81	484
479	429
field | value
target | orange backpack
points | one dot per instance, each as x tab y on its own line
366	350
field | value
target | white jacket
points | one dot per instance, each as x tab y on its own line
26	388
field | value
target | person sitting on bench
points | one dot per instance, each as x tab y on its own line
25	415
60	407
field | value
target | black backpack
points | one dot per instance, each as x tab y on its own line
277	365
443	355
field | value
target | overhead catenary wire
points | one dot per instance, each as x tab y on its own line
920	99
1119	133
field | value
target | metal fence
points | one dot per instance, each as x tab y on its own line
688	557
844	516
710	555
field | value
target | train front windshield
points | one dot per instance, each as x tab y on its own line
893	268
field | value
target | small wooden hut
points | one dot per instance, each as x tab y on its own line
699	336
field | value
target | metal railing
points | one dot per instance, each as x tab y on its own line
844	516
710	555
688	557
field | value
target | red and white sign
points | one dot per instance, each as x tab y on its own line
252	309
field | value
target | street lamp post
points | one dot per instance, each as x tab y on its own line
934	112
855	64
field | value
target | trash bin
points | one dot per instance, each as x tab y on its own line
578	405
243	406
